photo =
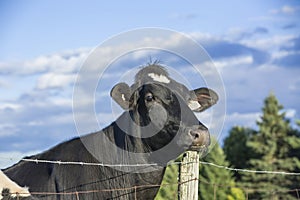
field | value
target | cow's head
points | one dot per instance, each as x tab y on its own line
165	107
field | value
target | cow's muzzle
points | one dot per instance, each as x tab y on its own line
200	138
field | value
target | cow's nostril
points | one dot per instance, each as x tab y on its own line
194	134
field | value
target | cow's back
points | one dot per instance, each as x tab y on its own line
68	181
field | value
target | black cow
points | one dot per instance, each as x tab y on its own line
158	125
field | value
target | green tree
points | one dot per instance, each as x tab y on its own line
169	187
276	147
236	150
217	183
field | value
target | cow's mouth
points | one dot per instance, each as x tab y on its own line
197	147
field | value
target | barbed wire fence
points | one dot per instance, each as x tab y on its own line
247	190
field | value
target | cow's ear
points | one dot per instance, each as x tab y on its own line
202	98
121	94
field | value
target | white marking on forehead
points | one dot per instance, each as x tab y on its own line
194	105
159	78
13	187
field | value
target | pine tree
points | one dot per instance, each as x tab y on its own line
236	150
169	186
273	146
217	183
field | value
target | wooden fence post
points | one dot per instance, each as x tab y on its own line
189	176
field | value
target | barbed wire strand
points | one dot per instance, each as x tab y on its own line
155	164
249	170
215	186
135	188
87	163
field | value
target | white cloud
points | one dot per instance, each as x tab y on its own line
268	43
281	54
235	61
55	80
12	106
290	113
289	9
243	119
205	37
63	62
286	9
35	123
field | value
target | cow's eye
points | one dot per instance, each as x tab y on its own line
149	97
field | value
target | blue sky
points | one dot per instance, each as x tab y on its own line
255	45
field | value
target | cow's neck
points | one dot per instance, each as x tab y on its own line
143	138
127	133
